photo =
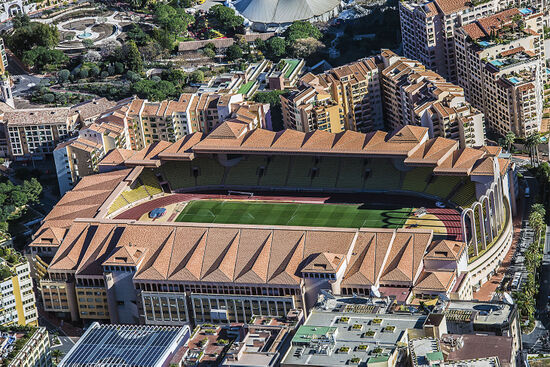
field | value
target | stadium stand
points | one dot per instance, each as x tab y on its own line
245	173
382	176
276	171
209	171
150	182
119	203
417	179
352	173
326	173
178	174
466	194
300	172
442	186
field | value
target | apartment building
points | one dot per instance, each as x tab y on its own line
416	96
344	98
38	131
427	30
501	66
384	89
35	352
75	159
149	122
17	302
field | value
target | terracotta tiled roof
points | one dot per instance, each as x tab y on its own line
435	281
85	199
445	250
116	157
460	162
324	262
432	152
223	253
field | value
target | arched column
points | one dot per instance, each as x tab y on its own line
479	207
468	214
486	210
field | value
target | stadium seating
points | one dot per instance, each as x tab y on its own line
245	173
120	202
383	175
210	172
178	174
466	195
326	173
417	179
442	186
300	172
351	173
276	172
150	182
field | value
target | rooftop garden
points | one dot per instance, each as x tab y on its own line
389	329
357	327
369	334
27	332
376	321
343	350
344	320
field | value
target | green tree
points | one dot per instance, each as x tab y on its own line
301	29
196	76
63	76
173	20
20	20
226	17
56	354
272	97
234	52
276	48
509	139
532	143
138	35
134	61
32	35
41	58
155	91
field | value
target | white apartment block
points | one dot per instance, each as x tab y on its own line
428	26
17	302
427	30
501	66
420	97
35	352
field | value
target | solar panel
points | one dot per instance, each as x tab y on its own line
124	346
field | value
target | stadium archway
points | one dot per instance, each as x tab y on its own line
482	222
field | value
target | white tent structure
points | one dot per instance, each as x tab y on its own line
270	14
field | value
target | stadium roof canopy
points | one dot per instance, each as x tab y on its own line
125	345
283	11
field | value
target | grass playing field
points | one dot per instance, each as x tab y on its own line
313	215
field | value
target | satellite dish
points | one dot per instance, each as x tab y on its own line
444	297
375	292
506	297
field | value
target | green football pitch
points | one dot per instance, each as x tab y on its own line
290	214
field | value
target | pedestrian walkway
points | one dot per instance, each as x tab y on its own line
487	291
67	329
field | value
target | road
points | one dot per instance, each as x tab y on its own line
23	81
66	342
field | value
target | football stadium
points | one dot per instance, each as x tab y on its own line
241	222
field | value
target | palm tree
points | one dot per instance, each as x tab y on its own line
532	143
509	140
56	353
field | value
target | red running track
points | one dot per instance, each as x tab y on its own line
449	217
